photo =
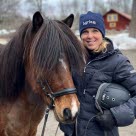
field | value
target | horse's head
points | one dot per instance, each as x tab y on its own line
52	55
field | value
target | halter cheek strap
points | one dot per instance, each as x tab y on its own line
53	95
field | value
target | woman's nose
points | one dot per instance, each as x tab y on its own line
90	35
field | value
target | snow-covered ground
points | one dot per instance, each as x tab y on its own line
4	31
123	41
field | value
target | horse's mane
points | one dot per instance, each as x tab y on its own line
12	71
53	39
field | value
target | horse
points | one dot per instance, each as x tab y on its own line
36	70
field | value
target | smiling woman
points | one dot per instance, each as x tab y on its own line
105	64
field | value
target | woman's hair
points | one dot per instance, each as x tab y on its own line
102	47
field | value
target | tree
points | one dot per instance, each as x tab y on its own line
68	7
132	30
120	5
9	13
36	5
99	6
8	7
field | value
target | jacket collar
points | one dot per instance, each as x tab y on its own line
109	51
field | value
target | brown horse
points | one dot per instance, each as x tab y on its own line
35	70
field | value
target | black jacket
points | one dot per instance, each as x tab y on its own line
110	66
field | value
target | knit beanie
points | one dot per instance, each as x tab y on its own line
91	20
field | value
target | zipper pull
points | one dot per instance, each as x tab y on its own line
84	69
84	91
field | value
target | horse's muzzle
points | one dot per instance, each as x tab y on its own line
68	115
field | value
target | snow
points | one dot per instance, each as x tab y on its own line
123	41
4	31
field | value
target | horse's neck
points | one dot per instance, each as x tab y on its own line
1	48
29	104
33	104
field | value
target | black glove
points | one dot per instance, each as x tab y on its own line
106	120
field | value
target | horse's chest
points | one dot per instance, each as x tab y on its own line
14	120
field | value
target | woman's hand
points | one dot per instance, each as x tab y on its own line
106	120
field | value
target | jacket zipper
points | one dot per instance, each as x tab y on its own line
87	65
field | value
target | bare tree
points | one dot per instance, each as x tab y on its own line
120	5
127	7
99	6
8	7
67	8
76	10
63	9
9	15
132	30
36	5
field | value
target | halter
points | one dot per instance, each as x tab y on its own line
52	97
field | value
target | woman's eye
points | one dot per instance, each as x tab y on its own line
85	32
95	30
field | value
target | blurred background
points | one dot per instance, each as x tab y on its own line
120	22
14	12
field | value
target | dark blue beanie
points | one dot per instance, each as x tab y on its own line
91	20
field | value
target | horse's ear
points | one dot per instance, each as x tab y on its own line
37	20
69	20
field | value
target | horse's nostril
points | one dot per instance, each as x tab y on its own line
67	114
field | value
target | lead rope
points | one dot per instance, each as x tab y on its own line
91	119
76	127
45	120
46	115
57	130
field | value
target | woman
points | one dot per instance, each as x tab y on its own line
104	65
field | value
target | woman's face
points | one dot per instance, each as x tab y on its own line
91	38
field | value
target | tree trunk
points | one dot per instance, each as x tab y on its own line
132	30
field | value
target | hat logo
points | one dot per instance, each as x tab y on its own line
89	22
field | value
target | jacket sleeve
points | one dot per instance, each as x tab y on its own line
125	75
67	129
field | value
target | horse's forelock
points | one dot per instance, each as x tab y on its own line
53	39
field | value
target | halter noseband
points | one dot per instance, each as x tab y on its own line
53	95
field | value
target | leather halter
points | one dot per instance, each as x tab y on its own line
53	95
